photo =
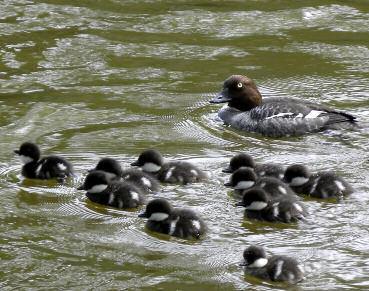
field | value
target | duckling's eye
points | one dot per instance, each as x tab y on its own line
239	85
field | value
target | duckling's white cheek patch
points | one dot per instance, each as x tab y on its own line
314	114
244	185
25	159
146	182
257	205
259	263
150	167
97	188
298	181
158	216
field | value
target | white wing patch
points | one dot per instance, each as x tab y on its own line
194	172
173	226
196	224
280	115
61	166
297	207
169	173
282	190
339	185
38	170
278	270
314	114
135	196
146	182
111	198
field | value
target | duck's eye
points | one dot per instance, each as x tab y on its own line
239	85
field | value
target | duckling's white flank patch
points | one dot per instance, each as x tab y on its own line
282	190
126	177
244	185
120	204
146	182
259	263
169	173
135	196
97	188
61	166
158	216
278	270
298	181
339	185
194	172
262	185
111	198
150	167
196	224
314	114
281	115
262	173
25	159
173	226
257	205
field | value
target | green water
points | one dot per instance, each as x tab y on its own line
89	79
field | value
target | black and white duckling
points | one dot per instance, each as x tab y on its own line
245	178
274	268
319	185
163	218
151	161
248	111
51	167
259	205
119	194
113	169
245	160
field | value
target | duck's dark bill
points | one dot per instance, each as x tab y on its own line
227	170
227	184
221	97
143	214
16	152
81	187
136	163
239	204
